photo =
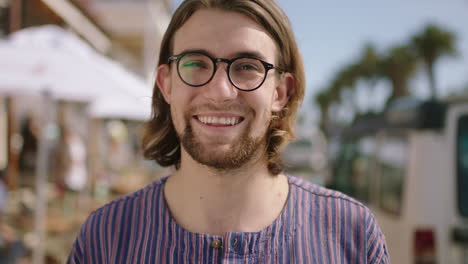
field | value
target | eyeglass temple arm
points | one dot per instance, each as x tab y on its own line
172	58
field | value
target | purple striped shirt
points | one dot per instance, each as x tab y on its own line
317	225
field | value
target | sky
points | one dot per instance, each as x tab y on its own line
332	33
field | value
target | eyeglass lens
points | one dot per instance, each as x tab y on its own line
244	73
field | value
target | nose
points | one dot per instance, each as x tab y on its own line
220	89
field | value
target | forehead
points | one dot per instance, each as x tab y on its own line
224	34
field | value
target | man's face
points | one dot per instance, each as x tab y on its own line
219	125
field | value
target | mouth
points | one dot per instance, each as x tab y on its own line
219	121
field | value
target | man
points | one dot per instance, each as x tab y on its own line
228	85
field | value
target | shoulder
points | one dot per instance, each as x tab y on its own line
148	193
342	217
319	202
315	204
120	212
313	191
129	217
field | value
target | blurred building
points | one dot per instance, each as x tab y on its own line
136	28
126	30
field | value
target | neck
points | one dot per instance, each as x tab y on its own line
204	200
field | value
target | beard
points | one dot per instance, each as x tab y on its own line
241	151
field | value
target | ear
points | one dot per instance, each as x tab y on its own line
163	80
283	91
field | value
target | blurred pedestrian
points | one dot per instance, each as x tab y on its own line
229	82
76	172
71	169
29	150
11	248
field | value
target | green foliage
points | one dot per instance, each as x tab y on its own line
369	63
397	65
431	44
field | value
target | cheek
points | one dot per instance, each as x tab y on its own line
177	113
262	110
266	118
261	102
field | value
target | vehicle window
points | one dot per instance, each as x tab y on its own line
391	162
354	168
462	165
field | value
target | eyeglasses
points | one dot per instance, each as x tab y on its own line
245	73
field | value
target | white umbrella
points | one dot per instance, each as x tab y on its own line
48	58
134	103
111	90
29	70
121	107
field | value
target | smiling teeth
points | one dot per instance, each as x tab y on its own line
219	120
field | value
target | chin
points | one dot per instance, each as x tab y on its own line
224	157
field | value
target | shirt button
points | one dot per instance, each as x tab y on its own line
216	244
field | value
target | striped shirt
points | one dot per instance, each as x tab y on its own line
317	225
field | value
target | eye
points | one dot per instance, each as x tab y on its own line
247	67
194	64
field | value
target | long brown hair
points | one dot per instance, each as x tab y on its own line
160	141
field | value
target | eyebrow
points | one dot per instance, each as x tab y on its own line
251	54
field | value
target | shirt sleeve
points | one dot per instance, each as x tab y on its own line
77	254
377	252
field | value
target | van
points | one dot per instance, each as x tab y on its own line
409	165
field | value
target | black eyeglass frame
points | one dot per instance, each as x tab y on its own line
268	67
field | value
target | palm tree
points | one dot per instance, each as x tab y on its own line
431	44
324	102
368	68
346	81
369	63
333	93
325	99
398	66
